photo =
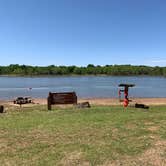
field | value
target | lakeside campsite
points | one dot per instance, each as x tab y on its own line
67	129
82	83
100	135
104	134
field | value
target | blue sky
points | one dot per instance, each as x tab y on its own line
80	32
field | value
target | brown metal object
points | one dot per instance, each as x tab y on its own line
61	98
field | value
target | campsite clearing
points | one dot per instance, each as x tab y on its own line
101	135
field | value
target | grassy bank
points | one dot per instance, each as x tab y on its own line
95	136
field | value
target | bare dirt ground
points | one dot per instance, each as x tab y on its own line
102	101
114	101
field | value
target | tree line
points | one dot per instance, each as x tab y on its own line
114	70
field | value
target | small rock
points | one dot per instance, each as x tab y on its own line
83	105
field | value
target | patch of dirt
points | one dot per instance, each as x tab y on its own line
7	162
153	128
149	123
3	145
73	158
154	156
130	126
114	133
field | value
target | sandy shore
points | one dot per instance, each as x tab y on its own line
104	101
114	101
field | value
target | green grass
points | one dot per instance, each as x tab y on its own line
95	136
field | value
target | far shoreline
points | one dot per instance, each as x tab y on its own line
78	75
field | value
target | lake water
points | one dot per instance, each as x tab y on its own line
84	86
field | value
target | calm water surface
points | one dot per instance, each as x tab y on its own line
84	86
